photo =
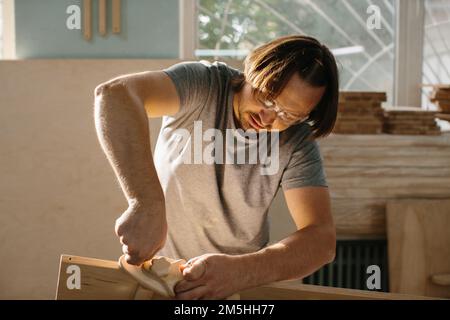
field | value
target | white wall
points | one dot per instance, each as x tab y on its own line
58	193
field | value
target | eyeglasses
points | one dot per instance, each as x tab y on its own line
285	116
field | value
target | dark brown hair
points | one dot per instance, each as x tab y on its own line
269	67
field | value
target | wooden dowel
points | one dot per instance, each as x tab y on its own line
102	17
87	19
116	16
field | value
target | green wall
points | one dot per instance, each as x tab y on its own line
149	30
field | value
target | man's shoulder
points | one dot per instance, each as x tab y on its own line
296	136
207	67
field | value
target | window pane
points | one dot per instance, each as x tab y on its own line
436	51
230	29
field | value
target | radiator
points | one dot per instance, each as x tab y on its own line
349	269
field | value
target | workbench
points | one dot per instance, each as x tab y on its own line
104	280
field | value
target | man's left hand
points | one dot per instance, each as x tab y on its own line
210	276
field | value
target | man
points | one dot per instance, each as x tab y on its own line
215	214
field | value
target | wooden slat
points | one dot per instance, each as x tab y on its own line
102	17
362	217
87	18
102	279
384	140
419	246
360	95
443	116
292	290
390	193
116	16
420	161
389	182
385	152
394	172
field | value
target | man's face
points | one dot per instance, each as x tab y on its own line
297	98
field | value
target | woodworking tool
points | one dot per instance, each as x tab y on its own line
159	274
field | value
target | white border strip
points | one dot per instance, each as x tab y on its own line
409	52
9	30
188	16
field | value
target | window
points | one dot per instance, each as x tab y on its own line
229	29
436	51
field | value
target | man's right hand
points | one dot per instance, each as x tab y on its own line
142	230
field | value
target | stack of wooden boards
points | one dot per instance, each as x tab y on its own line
410	121
441	97
360	112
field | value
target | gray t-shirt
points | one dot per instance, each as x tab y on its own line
221	207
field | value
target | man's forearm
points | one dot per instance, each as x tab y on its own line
123	132
296	256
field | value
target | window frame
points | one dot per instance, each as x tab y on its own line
9	30
408	63
408	56
188	26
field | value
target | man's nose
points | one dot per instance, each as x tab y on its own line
267	116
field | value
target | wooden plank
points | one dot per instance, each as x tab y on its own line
384	140
445	108
102	17
419	246
443	116
427	132
390	193
116	16
386	152
389	182
416	111
440	95
420	161
393	172
87	19
354	105
363	217
361	95
102	279
292	290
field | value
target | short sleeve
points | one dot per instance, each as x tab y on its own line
192	80
305	168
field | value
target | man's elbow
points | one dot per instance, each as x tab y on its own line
99	89
107	88
329	245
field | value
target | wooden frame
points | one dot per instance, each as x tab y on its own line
9	30
104	280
